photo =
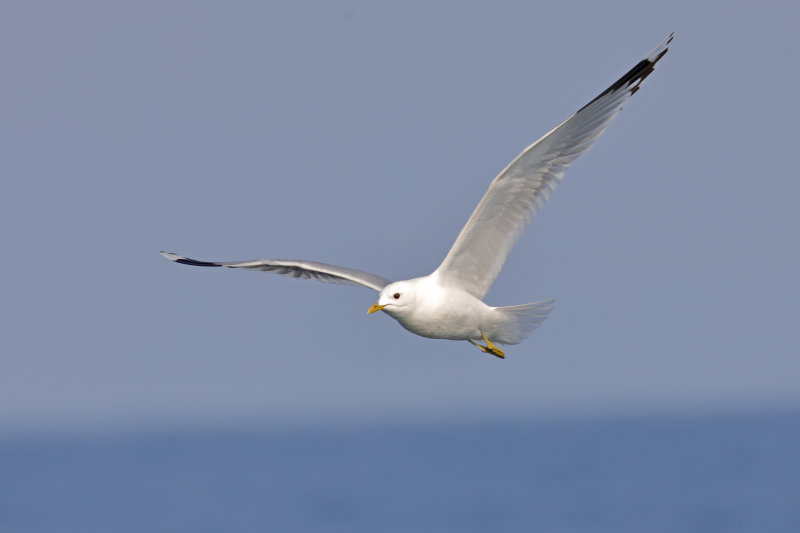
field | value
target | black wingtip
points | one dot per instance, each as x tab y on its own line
186	261
632	79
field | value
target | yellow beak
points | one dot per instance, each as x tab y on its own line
374	307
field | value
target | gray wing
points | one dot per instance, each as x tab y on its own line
519	191
295	269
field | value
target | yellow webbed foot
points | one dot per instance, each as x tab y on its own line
489	348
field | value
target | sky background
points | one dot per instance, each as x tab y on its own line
363	134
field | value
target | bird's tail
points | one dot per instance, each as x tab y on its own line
520	321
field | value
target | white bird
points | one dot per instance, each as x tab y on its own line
447	304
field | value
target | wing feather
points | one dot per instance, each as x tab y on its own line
295	269
519	191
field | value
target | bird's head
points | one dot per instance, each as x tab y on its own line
395	298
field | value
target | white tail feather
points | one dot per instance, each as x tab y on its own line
520	321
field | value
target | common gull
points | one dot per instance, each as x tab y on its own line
447	304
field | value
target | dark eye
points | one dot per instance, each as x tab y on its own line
396	296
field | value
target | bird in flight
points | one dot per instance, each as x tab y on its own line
447	304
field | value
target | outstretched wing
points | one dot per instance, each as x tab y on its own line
295	269
518	192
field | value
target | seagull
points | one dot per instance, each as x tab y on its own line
447	304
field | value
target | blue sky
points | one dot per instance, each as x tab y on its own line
363	134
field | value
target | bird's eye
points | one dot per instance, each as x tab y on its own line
396	296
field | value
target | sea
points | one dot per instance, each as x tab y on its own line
712	473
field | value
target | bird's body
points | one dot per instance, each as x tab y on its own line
447	304
440	313
430	309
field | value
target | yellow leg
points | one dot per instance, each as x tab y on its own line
484	349
489	348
